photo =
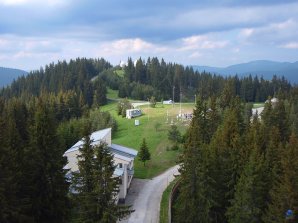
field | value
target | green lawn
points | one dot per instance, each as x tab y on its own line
164	204
131	136
258	105
119	72
112	94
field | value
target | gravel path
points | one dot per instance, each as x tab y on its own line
145	196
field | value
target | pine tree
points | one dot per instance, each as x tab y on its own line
196	194
144	154
174	135
47	188
249	199
13	141
82	181
94	186
284	194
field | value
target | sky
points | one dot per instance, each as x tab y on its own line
34	33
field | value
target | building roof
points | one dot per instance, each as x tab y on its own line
119	151
121	157
96	137
124	151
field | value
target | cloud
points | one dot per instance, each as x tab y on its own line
137	45
202	42
32	2
208	31
292	45
275	34
246	32
195	55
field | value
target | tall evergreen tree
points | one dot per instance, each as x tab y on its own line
284	194
94	186
144	154
249	200
196	192
47	188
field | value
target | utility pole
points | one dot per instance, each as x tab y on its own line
173	95
180	102
148	108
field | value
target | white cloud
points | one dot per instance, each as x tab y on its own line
246	32
26	2
202	42
291	45
137	45
13	2
134	45
236	50
195	55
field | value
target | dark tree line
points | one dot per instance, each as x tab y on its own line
65	80
33	186
140	81
239	171
160	79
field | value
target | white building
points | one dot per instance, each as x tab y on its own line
132	113
169	102
123	159
122	64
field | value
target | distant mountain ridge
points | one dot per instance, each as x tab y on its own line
260	68
7	75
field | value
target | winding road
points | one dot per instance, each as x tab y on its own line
147	201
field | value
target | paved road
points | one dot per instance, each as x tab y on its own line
147	202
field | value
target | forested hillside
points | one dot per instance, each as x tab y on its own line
233	169
140	80
163	80
41	115
237	169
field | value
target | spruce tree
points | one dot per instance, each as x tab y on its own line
196	194
45	178
82	181
284	194
174	135
249	199
95	187
144	154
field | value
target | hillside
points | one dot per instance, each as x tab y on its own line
263	68
7	75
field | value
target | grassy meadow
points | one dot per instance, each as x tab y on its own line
131	136
258	105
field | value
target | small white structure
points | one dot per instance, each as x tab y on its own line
137	122
122	64
169	102
132	113
185	116
257	111
123	159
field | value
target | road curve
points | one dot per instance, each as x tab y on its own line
147	204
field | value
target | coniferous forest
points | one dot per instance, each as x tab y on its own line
234	168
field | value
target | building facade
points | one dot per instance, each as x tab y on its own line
123	159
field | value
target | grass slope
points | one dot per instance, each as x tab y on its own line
112	94
164	204
258	105
131	136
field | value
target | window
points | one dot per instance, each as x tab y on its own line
120	165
